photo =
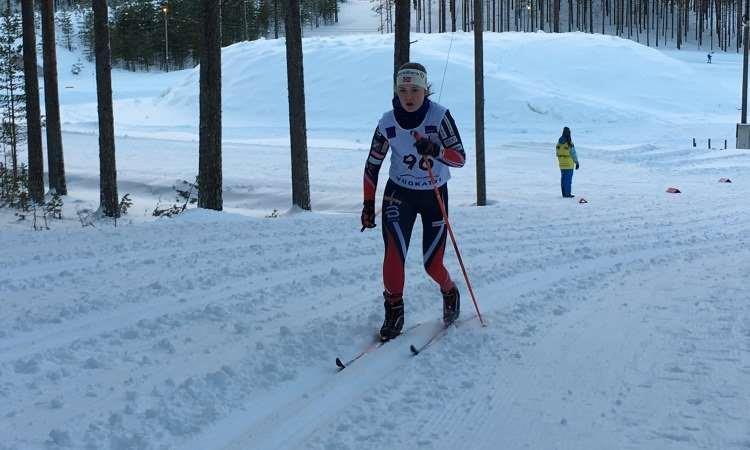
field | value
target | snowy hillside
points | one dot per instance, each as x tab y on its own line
622	323
533	83
613	93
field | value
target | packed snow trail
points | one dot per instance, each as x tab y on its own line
612	322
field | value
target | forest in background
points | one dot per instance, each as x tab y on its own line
148	34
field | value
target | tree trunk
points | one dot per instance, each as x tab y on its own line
452	4
209	145
52	102
671	12
507	13
658	21
464	16
275	19
570	15
33	120
107	166
429	16
494	15
556	16
603	10
648	27
442	16
479	102
679	25
500	16
297	128
700	23
541	15
401	43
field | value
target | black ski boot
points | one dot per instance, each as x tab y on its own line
451	306
394	317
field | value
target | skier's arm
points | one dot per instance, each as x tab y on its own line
378	150
573	153
453	153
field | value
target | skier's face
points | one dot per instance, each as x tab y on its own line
410	96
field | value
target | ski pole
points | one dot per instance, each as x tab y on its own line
453	238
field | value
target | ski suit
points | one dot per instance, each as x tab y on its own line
409	192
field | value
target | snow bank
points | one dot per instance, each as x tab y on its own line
532	81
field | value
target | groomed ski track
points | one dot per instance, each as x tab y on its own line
623	321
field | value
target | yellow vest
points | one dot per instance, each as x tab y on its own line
563	157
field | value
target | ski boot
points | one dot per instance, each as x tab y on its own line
394	317
451	305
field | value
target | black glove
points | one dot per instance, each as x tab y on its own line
577	165
426	147
368	215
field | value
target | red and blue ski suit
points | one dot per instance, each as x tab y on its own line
409	191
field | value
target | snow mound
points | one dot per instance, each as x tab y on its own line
535	80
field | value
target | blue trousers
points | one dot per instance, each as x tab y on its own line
566	181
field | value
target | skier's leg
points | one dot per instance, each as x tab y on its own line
398	220
434	233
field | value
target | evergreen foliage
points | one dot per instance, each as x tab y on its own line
138	26
65	23
12	95
711	25
14	188
86	33
125	204
139	35
186	194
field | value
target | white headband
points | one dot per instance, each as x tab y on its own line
411	76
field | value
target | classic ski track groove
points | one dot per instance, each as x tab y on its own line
693	240
327	418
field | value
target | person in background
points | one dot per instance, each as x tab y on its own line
708	58
567	160
420	134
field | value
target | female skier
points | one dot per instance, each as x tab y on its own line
418	132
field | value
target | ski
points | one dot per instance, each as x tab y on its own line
435	336
440	332
374	345
370	348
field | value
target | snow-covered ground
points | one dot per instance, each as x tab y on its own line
622	323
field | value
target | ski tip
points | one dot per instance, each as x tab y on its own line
413	349
339	364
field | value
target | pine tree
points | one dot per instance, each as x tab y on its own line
33	113
297	128
209	166
86	35
12	96
137	38
184	33
52	102
107	167
65	22
401	38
